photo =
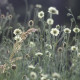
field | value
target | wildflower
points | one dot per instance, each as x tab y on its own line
56	75
27	56
40	14
38	6
38	54
54	31
17	38
53	10
48	53
67	30
58	26
44	75
50	21
13	66
25	77
31	23
64	44
59	50
31	67
49	46
10	17
2	16
17	32
74	48
78	54
76	30
33	75
32	44
43	78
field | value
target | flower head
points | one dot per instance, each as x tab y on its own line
40	14
17	38
53	10
56	75
33	75
74	48
67	30
50	21
32	44
31	67
38	54
76	30
54	31
17	32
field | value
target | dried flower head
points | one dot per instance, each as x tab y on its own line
59	50
31	23
29	31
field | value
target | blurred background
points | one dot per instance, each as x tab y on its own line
61	5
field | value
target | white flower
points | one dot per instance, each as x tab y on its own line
53	10
44	76
78	54
40	14
58	26
54	31
38	54
33	75
67	30
18	38
56	75
50	21
76	30
49	46
17	32
32	44
38	6
74	48
31	67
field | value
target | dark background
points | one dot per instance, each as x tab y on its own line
61	5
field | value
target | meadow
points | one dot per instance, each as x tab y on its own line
35	50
